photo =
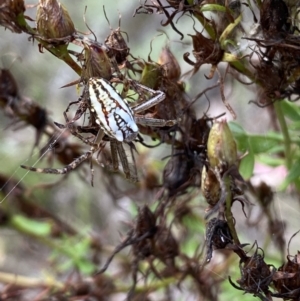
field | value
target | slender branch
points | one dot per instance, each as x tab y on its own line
29	282
162	283
285	133
228	213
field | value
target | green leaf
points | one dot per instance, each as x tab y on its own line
86	267
247	165
212	7
242	143
236	129
293	174
30	226
262	144
295	125
271	161
290	110
274	135
240	136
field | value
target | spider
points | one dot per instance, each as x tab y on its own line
112	116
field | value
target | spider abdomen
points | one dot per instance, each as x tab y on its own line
113	114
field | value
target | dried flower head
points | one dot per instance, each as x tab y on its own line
53	20
221	147
206	51
97	63
10	12
169	63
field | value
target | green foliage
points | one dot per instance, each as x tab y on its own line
189	228
75	251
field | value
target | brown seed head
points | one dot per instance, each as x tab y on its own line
206	51
97	63
118	46
53	20
10	11
151	75
221	147
170	64
210	187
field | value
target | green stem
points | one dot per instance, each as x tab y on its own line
226	32
285	133
61	52
148	288
28	282
18	223
228	213
200	17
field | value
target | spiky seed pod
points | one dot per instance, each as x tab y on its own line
166	246
8	86
217	236
146	222
287	280
117	46
170	64
206	51
255	274
145	226
10	12
274	16
221	147
210	187
151	74
97	63
53	20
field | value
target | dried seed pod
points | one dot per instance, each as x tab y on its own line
146	221
8	87
217	235
97	63
22	108
53	20
177	3
256	275
210	187
151	74
117	46
221	147
170	64
166	246
287	279
198	132
145	227
274	16
206	51
177	172
10	12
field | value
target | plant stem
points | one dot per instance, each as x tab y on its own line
148	288
285	133
228	213
29	282
47	240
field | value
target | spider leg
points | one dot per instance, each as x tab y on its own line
117	150
114	155
157	97
64	170
155	122
129	174
74	130
133	178
73	165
